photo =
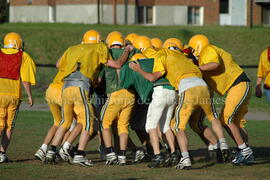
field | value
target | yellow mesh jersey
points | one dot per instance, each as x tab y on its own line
173	64
91	56
264	68
12	87
222	79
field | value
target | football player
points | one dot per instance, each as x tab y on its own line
264	74
224	76
17	68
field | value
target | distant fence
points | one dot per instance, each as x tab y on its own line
242	66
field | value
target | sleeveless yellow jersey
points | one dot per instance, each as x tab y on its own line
90	56
222	79
10	87
264	68
174	65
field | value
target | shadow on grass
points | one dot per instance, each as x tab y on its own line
133	178
20	160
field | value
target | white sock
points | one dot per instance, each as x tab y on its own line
210	147
242	146
223	144
44	147
66	145
185	154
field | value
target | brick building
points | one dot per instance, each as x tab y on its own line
156	12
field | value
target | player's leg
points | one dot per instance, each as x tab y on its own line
85	116
237	101
109	113
56	113
182	114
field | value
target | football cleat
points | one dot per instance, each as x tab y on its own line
226	155
82	160
244	157
172	159
3	157
122	160
157	161
50	157
40	155
184	163
65	155
139	156
111	159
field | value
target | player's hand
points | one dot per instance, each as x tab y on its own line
258	91
135	66
129	47
30	101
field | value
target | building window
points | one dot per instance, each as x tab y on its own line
194	15
266	14
145	14
30	2
224	7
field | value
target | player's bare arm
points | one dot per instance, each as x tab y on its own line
135	66
212	66
119	63
27	87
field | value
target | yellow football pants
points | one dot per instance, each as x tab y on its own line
236	104
54	100
189	101
9	108
118	107
76	100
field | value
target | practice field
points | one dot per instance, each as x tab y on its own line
31	128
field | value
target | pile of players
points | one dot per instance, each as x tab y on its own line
176	86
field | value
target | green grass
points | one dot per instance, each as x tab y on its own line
31	128
46	43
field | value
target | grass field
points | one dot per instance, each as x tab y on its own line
47	42
31	128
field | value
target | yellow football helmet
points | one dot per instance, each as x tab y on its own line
156	43
91	36
142	43
131	37
13	40
137	56
198	43
115	38
173	44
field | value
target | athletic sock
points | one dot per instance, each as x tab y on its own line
66	145
79	152
53	148
215	146
109	150
223	144
242	146
185	154
44	147
210	147
122	153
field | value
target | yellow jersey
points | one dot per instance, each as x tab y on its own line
90	57
221	80
264	68
174	65
10	87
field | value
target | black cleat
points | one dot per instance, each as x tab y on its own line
157	161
